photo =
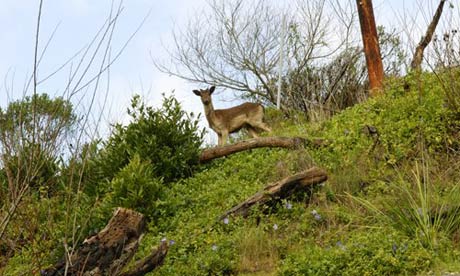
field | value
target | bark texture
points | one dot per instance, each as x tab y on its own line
418	55
108	252
284	188
271	142
371	46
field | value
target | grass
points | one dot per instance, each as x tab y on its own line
388	208
370	219
257	251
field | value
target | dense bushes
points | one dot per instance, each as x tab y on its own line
150	165
32	131
167	137
136	187
141	160
328	233
404	123
367	253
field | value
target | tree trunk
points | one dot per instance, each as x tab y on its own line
418	55
283	142
107	252
371	46
282	189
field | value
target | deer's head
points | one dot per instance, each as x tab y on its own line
205	94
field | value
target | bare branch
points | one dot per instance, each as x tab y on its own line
418	55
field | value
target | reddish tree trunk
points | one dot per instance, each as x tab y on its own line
371	46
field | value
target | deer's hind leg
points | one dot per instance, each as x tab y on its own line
261	126
219	139
252	131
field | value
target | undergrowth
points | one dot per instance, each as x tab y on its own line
369	218
327	233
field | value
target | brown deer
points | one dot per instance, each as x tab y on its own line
230	120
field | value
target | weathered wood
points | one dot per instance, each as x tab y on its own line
150	262
107	252
426	39
281	189
271	142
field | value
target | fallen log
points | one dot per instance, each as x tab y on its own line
108	252
282	189
271	142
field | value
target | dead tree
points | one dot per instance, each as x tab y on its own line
107	252
279	190
236	44
418	55
371	46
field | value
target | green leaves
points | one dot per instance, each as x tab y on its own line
39	115
142	160
167	137
31	139
375	252
135	186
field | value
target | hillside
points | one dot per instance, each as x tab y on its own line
390	205
368	219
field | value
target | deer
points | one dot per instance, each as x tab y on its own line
225	121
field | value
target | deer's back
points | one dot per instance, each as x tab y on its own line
237	117
246	109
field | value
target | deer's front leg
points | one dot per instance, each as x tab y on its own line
219	139
223	136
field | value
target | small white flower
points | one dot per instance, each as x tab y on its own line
275	226
288	206
226	221
341	245
214	247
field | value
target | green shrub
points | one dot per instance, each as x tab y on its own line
366	253
402	120
408	121
136	187
31	140
168	137
37	232
420	209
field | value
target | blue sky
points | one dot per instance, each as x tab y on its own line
133	72
77	21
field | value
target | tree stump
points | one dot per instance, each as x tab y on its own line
107	252
279	190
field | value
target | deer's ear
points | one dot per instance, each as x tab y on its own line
197	92
212	89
